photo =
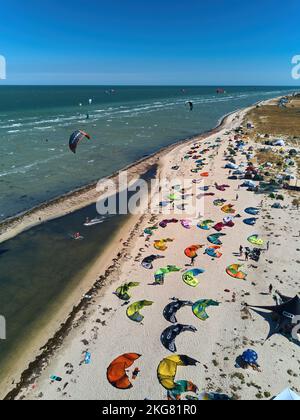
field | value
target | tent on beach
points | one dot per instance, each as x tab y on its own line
287	395
287	317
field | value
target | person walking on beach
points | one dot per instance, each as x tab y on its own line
193	259
246	256
237	197
241	251
268	245
271	289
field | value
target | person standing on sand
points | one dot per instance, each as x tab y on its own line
271	289
237	197
241	251
268	245
246	256
193	260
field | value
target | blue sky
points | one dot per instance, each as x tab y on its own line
149	41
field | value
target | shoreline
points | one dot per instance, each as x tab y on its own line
84	196
72	313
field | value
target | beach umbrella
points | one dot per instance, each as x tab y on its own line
116	372
167	369
199	308
123	291
234	271
133	311
182	387
255	240
190	277
215	238
172	308
191	251
250	357
169	335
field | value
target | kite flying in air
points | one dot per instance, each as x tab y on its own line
75	138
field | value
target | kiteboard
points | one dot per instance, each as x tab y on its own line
93	222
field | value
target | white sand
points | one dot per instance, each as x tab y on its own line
219	340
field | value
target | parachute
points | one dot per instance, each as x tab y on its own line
123	291
190	277
133	310
168	337
75	138
199	308
116	372
167	370
172	308
235	272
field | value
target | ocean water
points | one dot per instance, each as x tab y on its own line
125	124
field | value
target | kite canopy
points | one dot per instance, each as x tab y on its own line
167	370
191	251
182	388
255	240
186	223
75	138
116	372
199	308
206	224
190	277
250	357
168	337
228	208
235	272
148	261
160	274
150	230
164	223
133	311
172	308
219	202
253	211
161	244
123	291
250	222
215	238
213	252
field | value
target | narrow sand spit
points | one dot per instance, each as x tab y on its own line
104	330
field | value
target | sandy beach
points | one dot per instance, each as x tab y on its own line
100	327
